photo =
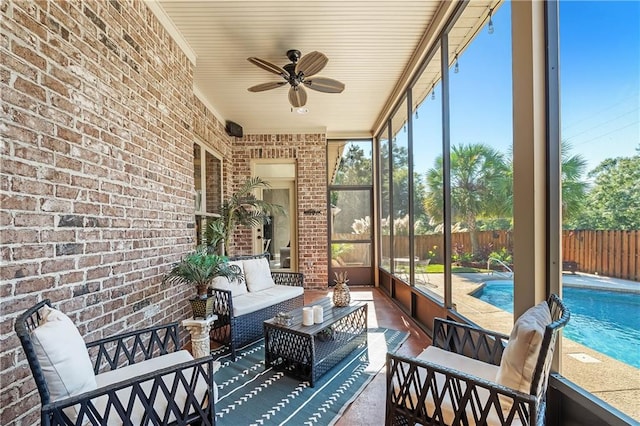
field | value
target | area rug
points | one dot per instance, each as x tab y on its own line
250	395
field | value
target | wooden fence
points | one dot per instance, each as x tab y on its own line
608	253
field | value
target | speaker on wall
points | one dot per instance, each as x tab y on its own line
233	129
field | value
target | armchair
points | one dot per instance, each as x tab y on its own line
135	378
471	376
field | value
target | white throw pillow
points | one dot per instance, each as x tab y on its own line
236	286
257	274
63	356
521	354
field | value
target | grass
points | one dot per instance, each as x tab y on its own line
439	269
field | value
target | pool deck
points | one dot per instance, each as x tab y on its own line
612	381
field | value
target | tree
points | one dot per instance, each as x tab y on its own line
354	168
478	174
400	176
614	200
573	187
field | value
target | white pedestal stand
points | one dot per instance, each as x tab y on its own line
199	330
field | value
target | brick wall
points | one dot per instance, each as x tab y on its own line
98	121
96	183
309	151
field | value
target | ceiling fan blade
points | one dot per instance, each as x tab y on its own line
297	96
326	85
311	63
266	86
268	66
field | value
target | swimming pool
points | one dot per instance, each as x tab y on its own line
605	321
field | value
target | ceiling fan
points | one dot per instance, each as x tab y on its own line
299	73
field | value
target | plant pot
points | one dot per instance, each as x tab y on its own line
202	308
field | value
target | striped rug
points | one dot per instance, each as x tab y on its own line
250	395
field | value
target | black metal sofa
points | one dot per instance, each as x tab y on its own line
434	390
139	377
237	331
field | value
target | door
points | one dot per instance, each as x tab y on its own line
350	183
278	237
350	234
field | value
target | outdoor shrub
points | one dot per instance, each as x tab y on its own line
502	255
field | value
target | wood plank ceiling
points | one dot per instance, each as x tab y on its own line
371	45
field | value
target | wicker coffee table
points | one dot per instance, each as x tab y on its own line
307	352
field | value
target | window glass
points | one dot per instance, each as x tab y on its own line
400	191
427	180
350	254
350	210
481	179
600	103
350	163
208	188
385	201
212	179
197	175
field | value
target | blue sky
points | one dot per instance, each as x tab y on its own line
600	85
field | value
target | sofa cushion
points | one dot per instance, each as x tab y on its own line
63	356
160	402
254	301
521	354
257	274
236	286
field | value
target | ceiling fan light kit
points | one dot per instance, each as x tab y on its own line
299	73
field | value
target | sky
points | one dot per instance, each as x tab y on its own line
599	78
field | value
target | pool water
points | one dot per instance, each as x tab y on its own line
605	321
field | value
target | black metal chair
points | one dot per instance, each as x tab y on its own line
427	392
177	394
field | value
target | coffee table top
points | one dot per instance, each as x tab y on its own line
332	314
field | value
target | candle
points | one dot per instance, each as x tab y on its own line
307	316
318	314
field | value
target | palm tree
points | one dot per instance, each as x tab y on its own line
573	189
241	208
199	269
478	174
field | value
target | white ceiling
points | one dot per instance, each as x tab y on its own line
370	45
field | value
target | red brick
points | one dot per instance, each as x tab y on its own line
34	220
29	55
30	186
30	89
31	251
34	285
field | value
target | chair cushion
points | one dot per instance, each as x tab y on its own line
521	354
257	274
63	356
160	401
464	365
236	286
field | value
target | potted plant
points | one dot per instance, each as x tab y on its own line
199	269
242	208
